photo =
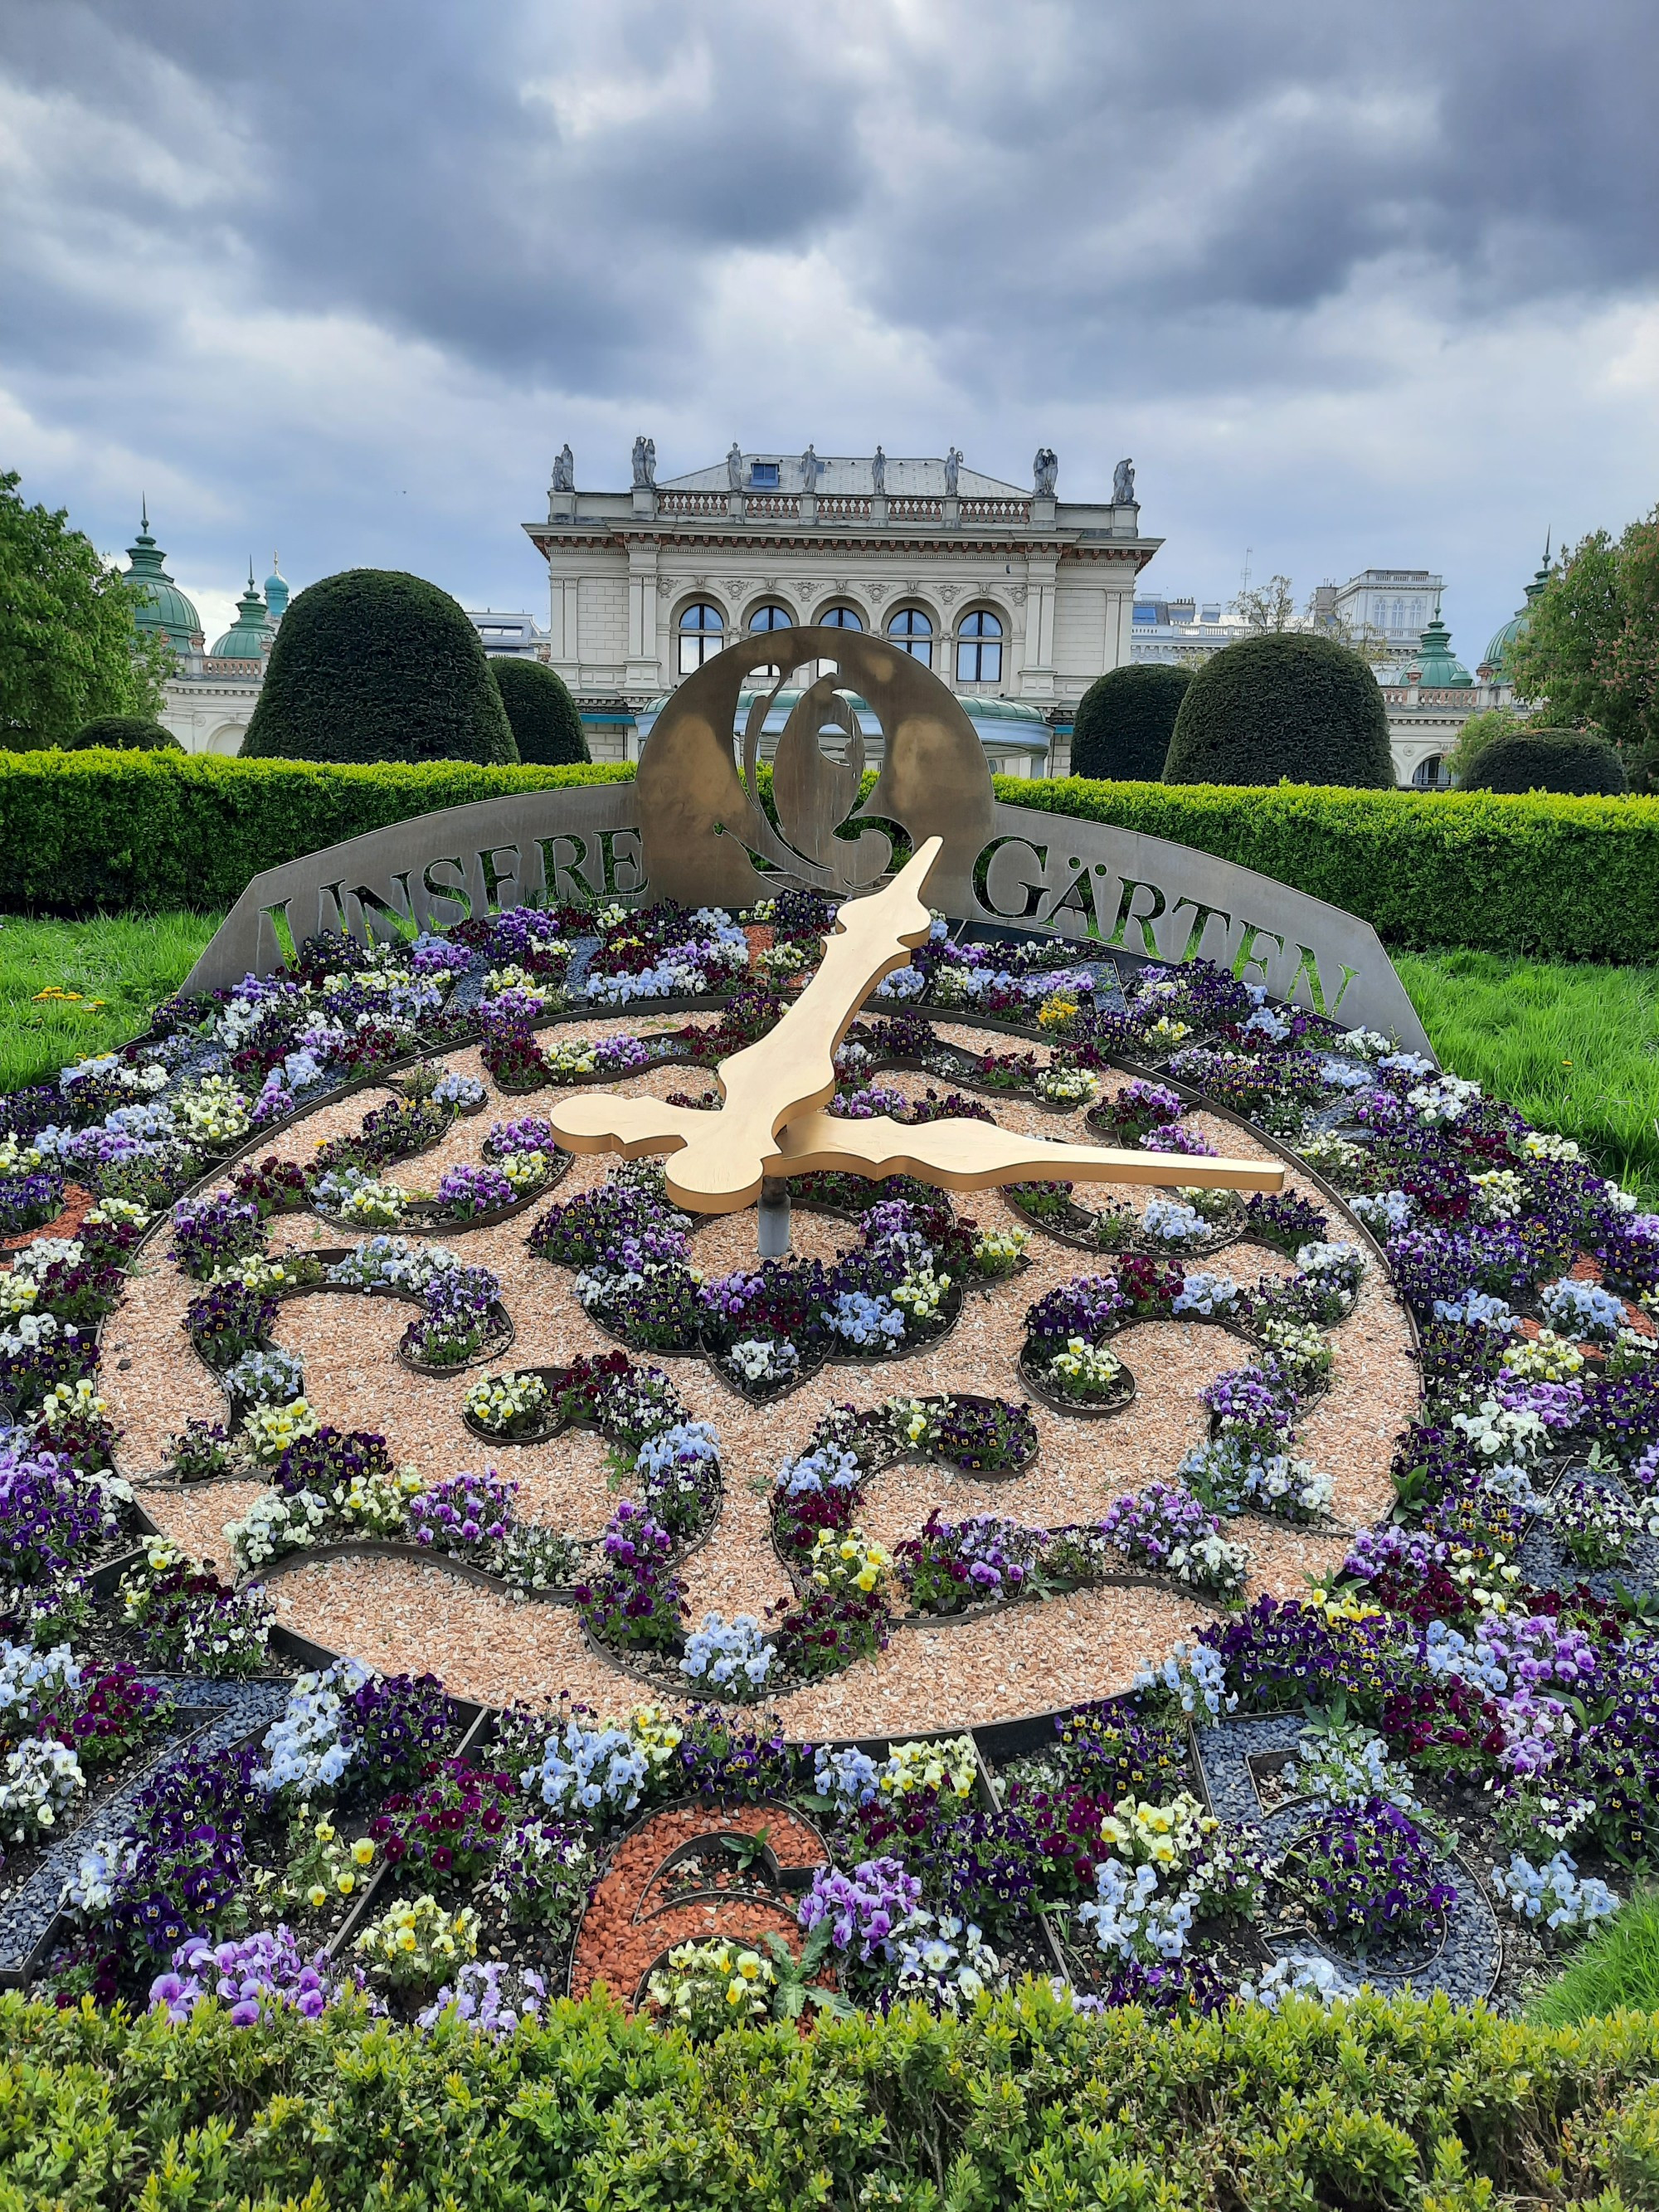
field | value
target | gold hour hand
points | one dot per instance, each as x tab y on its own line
973	1155
719	1159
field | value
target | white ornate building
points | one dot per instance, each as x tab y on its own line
208	700
1017	598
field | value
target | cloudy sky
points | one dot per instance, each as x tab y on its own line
1353	285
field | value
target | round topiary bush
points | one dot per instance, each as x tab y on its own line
1286	704
1125	720
374	665
546	726
128	733
1548	760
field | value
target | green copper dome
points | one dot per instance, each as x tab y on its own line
1497	651
161	606
1437	666
249	637
275	591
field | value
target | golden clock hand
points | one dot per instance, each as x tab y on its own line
717	1159
966	1155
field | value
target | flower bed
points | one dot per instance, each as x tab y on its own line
1320	1789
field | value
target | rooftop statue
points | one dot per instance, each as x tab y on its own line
879	471
564	469
1045	472
645	464
952	465
1123	484
810	466
734	467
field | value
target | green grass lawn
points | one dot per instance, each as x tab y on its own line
1575	1049
1619	1966
117	968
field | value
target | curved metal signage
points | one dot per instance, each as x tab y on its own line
692	828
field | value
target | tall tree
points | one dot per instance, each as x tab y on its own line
70	649
1587	653
1270	607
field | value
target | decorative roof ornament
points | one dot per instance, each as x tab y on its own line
249	636
160	607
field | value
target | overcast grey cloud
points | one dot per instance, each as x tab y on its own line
1353	284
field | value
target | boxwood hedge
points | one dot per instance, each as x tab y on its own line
1563	878
86	830
1024	2104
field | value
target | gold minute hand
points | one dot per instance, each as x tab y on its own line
717	1160
973	1155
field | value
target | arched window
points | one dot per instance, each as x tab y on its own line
771	617
979	648
842	618
912	631
702	633
1430	775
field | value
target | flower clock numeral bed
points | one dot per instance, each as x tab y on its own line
436	1571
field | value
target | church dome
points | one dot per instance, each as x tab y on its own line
249	636
1437	667
1497	651
275	591
161	606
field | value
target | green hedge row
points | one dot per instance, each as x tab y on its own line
85	829
1024	2105
1569	878
1565	878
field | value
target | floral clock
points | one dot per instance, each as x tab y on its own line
851	1596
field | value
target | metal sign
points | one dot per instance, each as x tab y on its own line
692	828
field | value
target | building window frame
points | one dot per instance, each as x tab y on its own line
981	636
843	615
698	638
917	643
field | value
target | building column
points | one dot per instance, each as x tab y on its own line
1037	673
644	664
565	654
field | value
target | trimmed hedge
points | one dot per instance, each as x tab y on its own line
1287	703
1024	2105
1125	719
1565	878
150	831
546	726
135	733
1548	760
376	664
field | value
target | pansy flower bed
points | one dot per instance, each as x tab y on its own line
761	1523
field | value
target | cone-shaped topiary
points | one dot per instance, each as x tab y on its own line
1283	705
1125	720
1548	760
128	733
546	726
374	665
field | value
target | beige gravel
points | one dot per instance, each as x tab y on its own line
1026	1660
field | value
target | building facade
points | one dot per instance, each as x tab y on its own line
208	700
1392	606
1010	595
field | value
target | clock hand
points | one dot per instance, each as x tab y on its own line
717	1159
964	1155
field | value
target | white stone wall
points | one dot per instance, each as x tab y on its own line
614	611
208	714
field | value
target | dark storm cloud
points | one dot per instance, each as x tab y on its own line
1086	165
349	272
